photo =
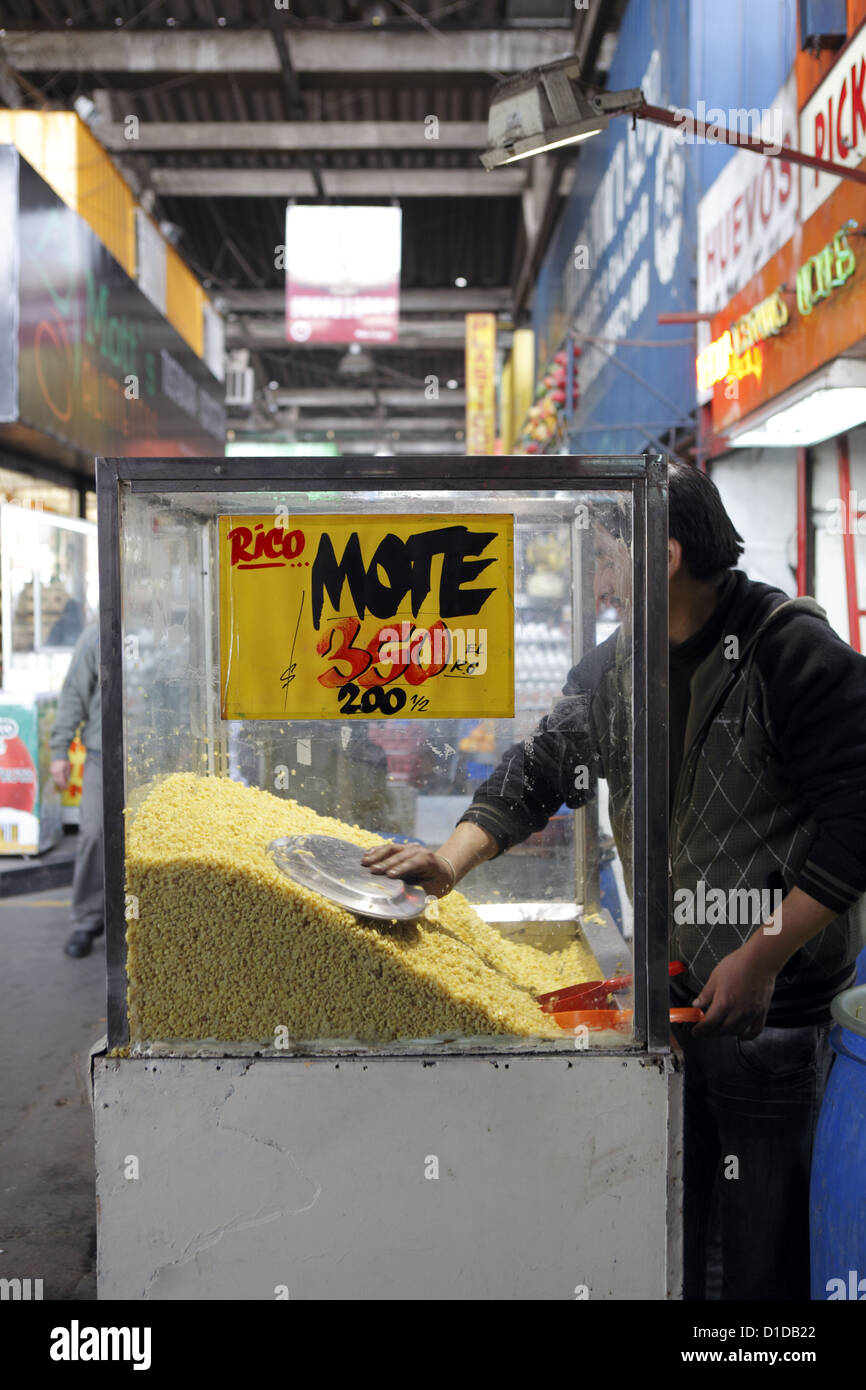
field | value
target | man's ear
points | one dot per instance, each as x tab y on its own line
675	557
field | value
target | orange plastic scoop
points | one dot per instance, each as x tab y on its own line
593	994
599	1020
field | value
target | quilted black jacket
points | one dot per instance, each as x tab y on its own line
771	792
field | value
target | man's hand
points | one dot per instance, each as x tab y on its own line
61	770
737	994
413	863
736	997
466	846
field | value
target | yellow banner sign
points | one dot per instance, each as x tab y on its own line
480	383
332	617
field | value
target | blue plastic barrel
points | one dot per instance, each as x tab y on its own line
838	1187
861	968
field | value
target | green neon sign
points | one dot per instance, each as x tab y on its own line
825	272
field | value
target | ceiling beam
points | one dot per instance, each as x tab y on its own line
340	183
252	51
407	342
442	448
433	301
360	424
269	325
268	334
291	136
445	448
330	397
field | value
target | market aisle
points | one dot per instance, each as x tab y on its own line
52	1010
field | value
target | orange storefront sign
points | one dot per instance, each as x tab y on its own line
829	318
821	275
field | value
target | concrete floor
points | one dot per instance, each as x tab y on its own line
52	1011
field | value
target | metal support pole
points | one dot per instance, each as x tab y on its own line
660	115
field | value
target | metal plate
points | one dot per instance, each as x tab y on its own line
333	868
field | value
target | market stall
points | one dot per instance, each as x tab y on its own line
321	1084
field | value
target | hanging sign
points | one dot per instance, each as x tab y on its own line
342	274
332	617
480	383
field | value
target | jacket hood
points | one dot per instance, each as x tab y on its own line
750	603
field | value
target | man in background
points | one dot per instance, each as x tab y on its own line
80	705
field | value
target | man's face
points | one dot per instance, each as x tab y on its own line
612	581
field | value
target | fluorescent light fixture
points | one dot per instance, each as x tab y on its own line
825	413
825	404
547	108
539	110
582	132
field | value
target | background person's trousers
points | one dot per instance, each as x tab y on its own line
751	1109
88	880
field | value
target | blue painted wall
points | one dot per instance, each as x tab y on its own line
640	239
741	54
633	210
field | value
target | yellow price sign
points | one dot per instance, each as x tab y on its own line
331	617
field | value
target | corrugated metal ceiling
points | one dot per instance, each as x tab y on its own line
192	14
230	241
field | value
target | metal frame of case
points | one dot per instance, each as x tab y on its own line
644	477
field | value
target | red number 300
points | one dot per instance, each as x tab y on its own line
364	662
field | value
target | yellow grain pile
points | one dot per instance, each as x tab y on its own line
225	946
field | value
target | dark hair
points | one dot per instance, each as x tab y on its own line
698	520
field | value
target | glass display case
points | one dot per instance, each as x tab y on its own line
372	650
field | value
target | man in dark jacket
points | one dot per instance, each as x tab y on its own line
767	816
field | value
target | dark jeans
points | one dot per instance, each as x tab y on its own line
88	882
750	1114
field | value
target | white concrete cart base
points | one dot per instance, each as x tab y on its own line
315	1178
